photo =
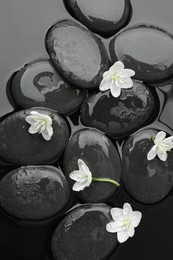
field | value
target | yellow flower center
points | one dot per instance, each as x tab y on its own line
126	223
115	76
43	122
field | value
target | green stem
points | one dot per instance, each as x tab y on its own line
106	180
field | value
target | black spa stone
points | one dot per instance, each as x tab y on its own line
146	181
34	192
38	84
118	117
77	53
145	49
102	158
104	17
82	234
19	147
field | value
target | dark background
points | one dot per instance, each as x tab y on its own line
23	24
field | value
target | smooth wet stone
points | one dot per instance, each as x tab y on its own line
38	84
104	17
146	181
77	53
102	158
82	234
118	117
145	49
19	147
34	192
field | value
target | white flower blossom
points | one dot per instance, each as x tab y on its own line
83	176
124	222
40	123
161	146
116	78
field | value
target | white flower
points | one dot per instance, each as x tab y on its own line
83	176
161	146
117	78
124	222
40	123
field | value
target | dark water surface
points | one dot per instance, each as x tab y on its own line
23	25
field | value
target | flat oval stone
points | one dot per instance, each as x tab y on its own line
149	52
146	181
19	147
102	158
82	234
118	117
38	84
34	192
105	17
77	53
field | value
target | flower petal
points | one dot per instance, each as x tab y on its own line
166	146
168	141
129	72
76	175
115	90
105	84
116	213
127	83
131	231
38	127
136	218
45	134
82	166
40	123
33	130
78	186
112	227
160	137
122	236
48	119
162	155
36	115
30	120
106	75
39	116
89	181
127	209
49	130
116	67
83	176
152	153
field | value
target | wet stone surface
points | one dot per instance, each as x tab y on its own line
149	52
119	117
82	234
102	158
23	26
77	53
104	17
19	147
146	181
34	192
3	163
38	84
